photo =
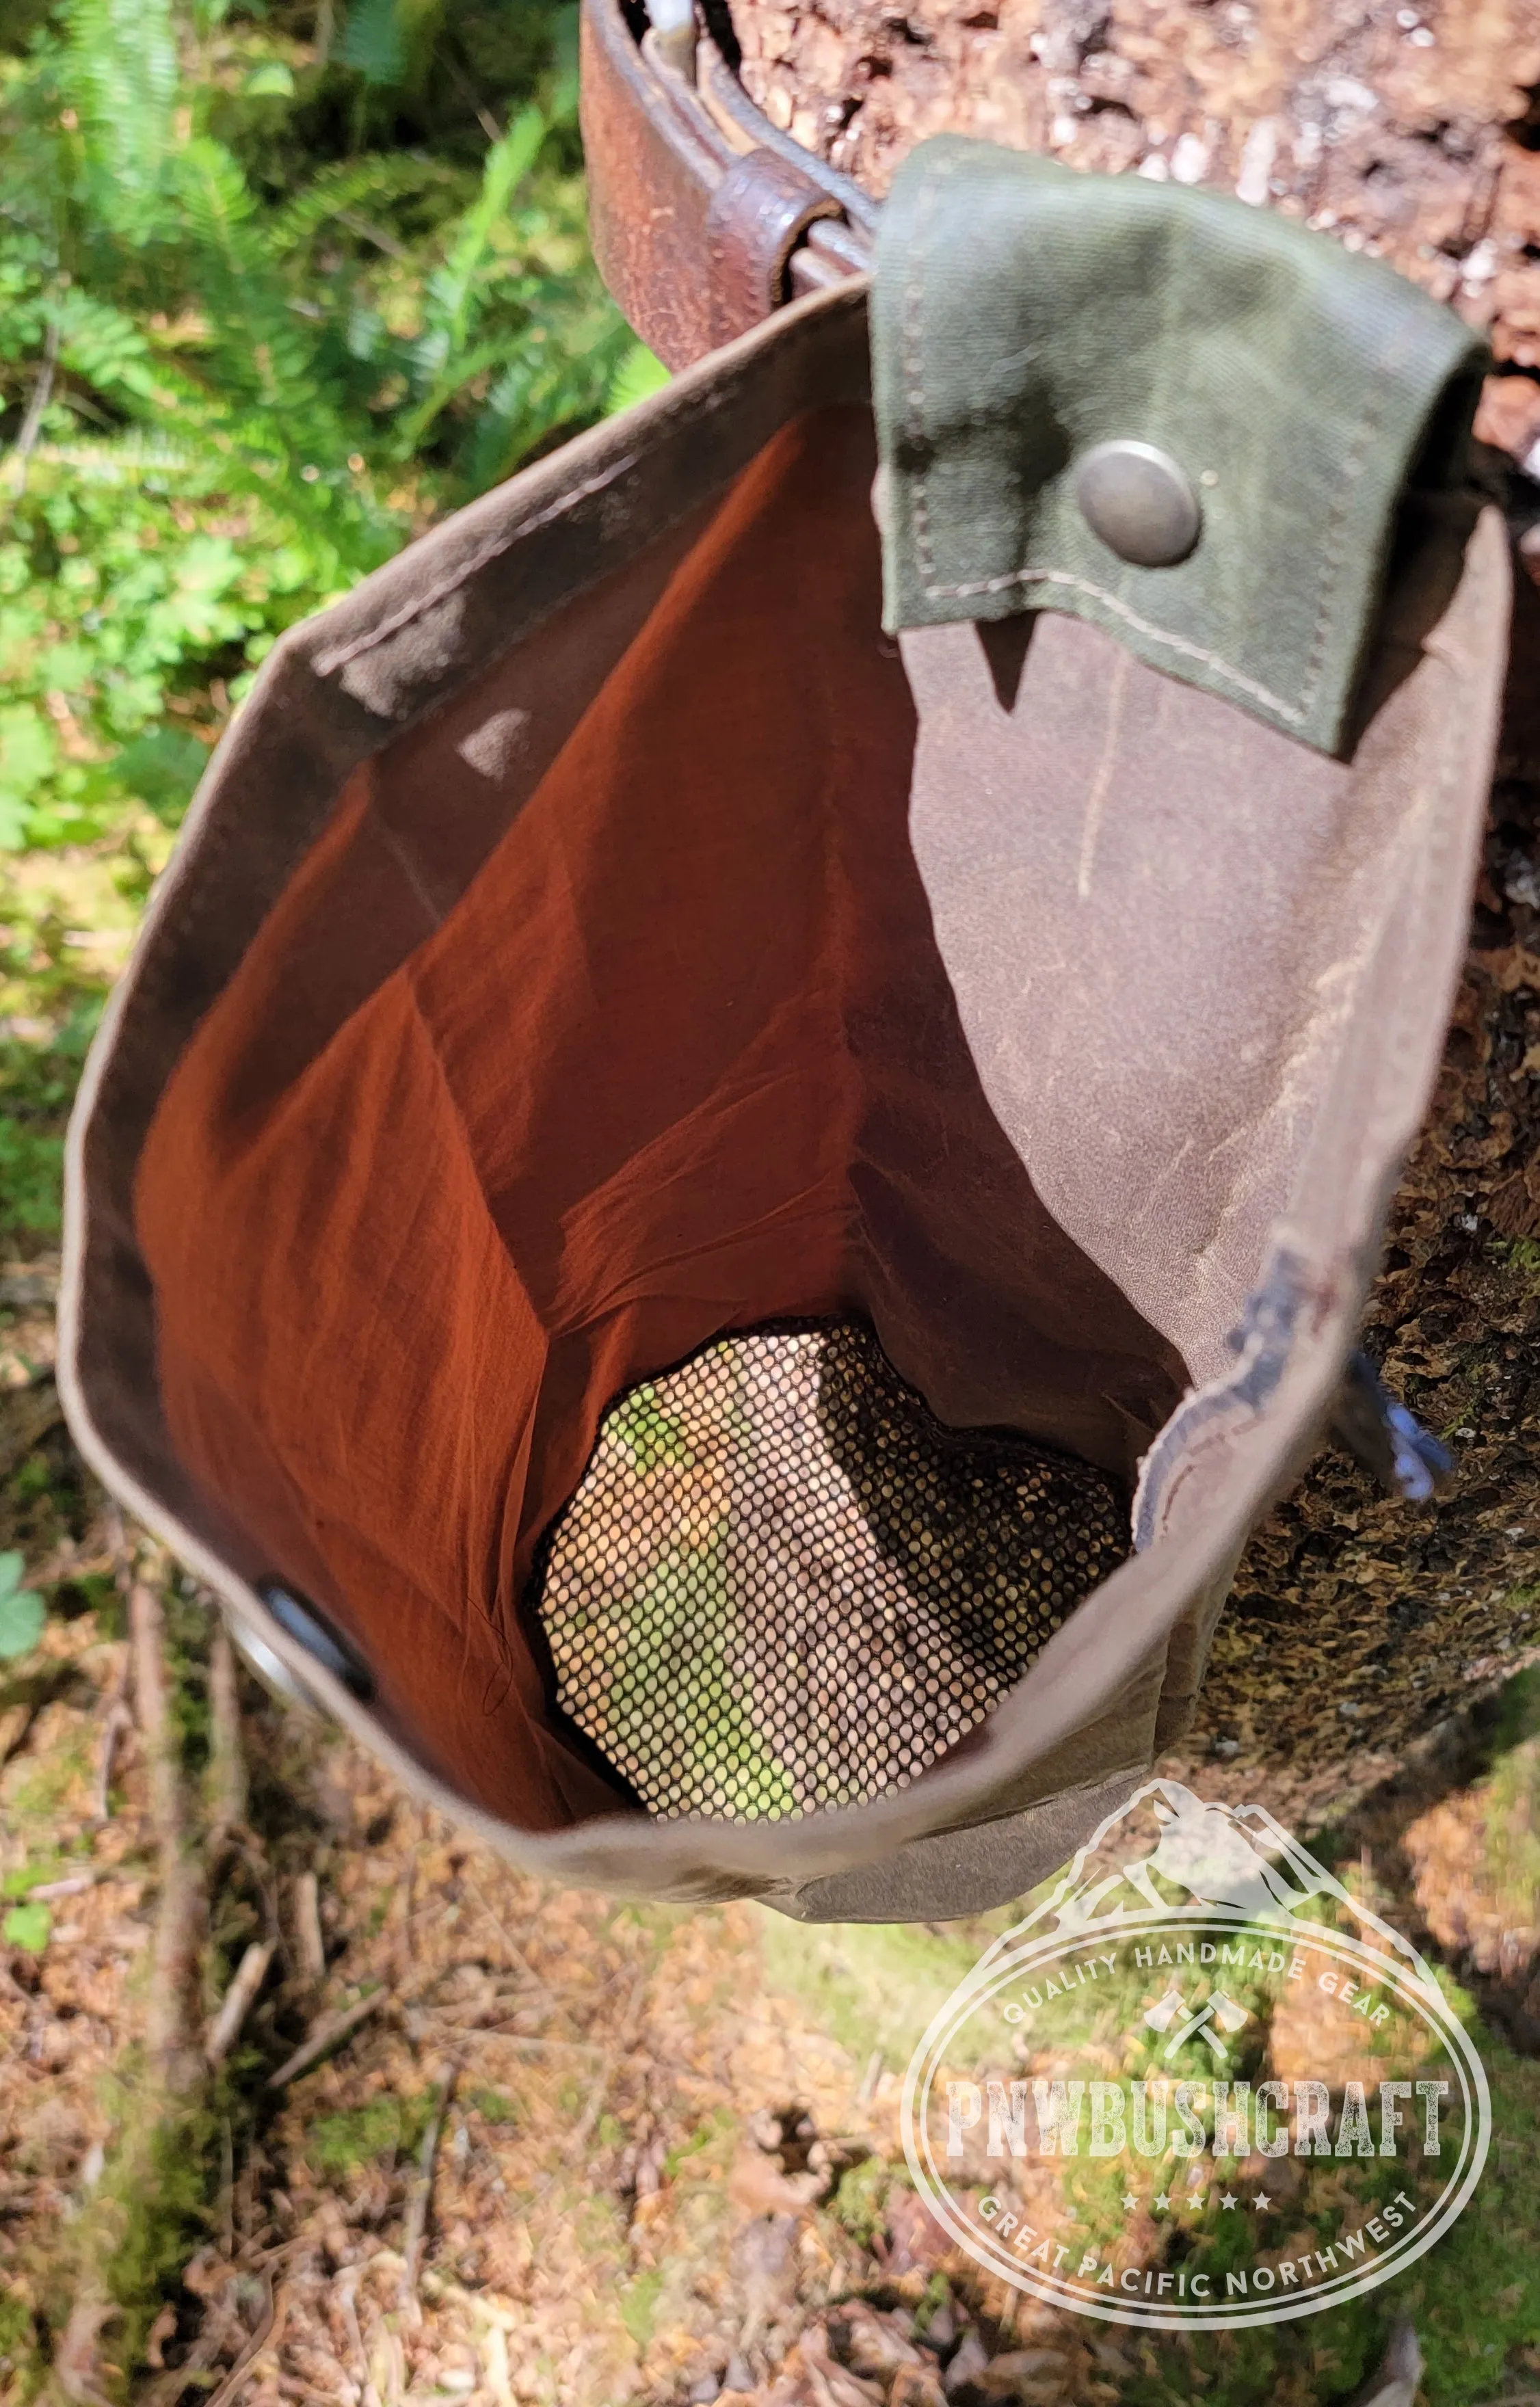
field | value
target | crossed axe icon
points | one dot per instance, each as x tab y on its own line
1218	2009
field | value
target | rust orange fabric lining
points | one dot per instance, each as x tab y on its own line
680	1059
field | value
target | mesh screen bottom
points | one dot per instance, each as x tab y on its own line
783	1585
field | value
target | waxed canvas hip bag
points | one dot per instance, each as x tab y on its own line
750	1132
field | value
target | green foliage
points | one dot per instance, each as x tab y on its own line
22	2368
339	2144
152	2213
22	1609
648	1434
39	1070
495	2106
28	1927
637	375
238	373
638	2305
860	2204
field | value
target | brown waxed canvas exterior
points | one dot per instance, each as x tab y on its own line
596	936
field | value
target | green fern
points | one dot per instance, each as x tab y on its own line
374	41
252	394
349	185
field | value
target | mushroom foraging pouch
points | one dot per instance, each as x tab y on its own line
667	1165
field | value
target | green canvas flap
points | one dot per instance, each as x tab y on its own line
1025	313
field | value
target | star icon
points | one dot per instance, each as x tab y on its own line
1229	2198
1263	2201
1196	2199
1163	2199
1130	2202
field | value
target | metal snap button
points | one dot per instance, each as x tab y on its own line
310	1628
1139	502
268	1667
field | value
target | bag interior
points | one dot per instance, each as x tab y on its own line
605	1026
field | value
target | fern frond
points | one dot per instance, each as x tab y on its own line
123	459
120	71
375	42
352	184
640	373
107	348
506	165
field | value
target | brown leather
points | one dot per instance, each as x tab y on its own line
757	216
704	218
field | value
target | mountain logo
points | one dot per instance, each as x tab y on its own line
1201	2082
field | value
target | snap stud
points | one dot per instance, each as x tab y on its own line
1139	502
309	1628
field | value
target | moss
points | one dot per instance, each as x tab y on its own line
147	2216
46	1791
165	2217
716	2137
496	2106
339	2144
23	2369
638	2304
870	1985
860	2204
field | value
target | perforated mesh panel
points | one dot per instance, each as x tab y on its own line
783	1585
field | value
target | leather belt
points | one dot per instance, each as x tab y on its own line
704	217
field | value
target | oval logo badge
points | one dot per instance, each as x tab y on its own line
1200	2083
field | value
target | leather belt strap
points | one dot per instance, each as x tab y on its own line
704	217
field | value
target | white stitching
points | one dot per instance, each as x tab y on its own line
326	663
1144	626
914	371
1352	468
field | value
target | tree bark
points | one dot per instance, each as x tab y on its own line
1410	130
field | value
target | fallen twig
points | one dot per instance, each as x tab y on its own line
270	2326
415	2222
227	1782
31	422
625	2041
174	2069
325	2034
516	1955
308	1931
237	2002
118	1720
171	2018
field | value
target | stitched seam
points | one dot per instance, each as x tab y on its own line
914	371
325	663
1336	527
1145	626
